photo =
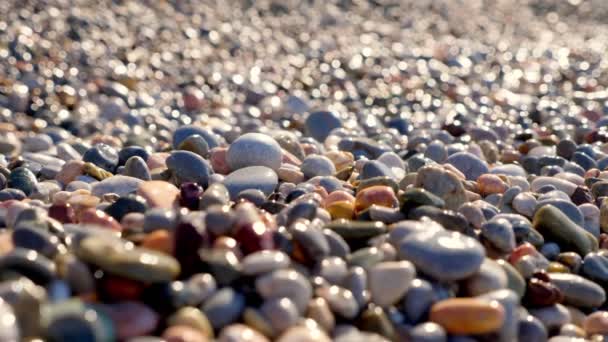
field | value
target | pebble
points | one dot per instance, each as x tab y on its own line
315	165
470	165
187	166
443	184
320	124
136	167
158	194
254	149
102	155
120	185
553	224
253	177
442	254
224	307
389	281
468	315
578	291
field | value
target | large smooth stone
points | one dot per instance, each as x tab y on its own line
158	194
389	281
556	226
121	185
187	166
320	124
254	149
443	184
467	163
116	257
464	316
253	177
559	184
566	207
578	291
444	255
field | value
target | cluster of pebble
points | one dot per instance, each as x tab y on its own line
301	171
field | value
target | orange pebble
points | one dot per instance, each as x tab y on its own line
159	240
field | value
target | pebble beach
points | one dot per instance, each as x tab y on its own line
303	171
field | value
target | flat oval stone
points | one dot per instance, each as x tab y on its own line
340	300
116	257
427	332
187	166
132	319
316	165
567	207
578	291
281	313
556	226
320	124
120	185
389	281
224	307
254	149
596	323
158	194
444	255
30	264
465	316
253	177
192	317
264	261
471	166
559	184
240	333
553	316
285	283
184	132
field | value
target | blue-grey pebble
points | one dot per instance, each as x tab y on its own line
254	149
253	177
187	166
137	167
374	168
224	307
317	165
102	155
320	124
212	139
469	164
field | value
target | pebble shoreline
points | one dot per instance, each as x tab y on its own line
298	171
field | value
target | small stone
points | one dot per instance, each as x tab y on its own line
320	124
253	177
240	333
254	149
187	166
471	166
443	184
281	313
136	167
264	262
316	165
183	333
120	185
427	332
285	283
132	319
596	323
300	333
389	281
102	155
196	144
468	315
499	233
375	195
340	300
555	225
192	317
224	307
184	132
158	194
578	291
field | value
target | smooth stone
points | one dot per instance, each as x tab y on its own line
30	264
333	269
316	165
595	267
9	329
356	282
264	262
128	152
132	319
449	219
66	152
442	184
254	149
531	329
192	317
394	163
187	166
427	332
22	179
68	321
140	264
193	291
515	281
240	333
33	235
184	132
281	313
436	151
26	299
510	303
389	281
560	184
303	334
464	316
578	291
444	255
223	264
525	203
285	283
125	205
418	300
337	245
310	240
340	300
216	194
470	165
596	323
183	333
489	277
566	207
196	144
508	170
320	124
553	316
253	177
102	155
158	194
224	307
120	185
136	167
374	168
499	233
319	310
556	226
